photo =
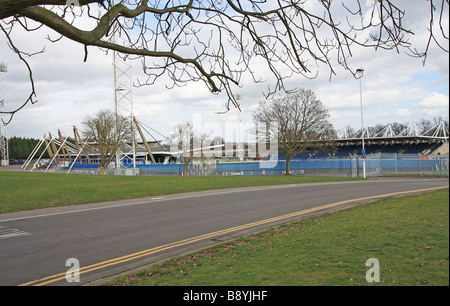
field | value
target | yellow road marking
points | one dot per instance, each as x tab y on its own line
115	261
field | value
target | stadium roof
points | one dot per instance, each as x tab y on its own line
438	133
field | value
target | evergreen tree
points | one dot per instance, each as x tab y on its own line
21	148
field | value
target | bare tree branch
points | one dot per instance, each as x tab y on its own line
31	97
219	41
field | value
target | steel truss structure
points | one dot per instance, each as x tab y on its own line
62	151
4	152
123	103
438	133
123	100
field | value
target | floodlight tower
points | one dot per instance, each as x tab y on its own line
123	98
3	139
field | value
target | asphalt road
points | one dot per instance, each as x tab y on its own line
106	239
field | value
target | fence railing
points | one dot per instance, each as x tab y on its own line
375	165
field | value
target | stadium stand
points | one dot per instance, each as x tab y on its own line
408	142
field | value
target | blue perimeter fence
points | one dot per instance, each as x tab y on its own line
376	165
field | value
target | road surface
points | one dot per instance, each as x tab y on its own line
40	247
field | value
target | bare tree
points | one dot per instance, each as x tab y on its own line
398	127
218	41
187	143
301	120
439	119
425	125
348	131
108	132
374	130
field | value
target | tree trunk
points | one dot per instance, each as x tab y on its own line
288	165
104	164
101	170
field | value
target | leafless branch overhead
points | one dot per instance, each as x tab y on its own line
219	41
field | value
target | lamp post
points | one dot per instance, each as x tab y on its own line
359	75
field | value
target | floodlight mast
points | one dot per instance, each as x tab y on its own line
3	137
123	100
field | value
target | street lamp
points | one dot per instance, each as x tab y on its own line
359	74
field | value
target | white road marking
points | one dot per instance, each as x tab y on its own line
12	232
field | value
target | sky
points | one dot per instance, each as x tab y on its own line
395	88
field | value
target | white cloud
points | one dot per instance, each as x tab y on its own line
433	101
433	105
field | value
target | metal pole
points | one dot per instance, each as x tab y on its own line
144	140
57	152
43	151
33	153
239	145
362	121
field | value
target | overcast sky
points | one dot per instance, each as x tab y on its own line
396	87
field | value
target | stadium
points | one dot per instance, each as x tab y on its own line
385	153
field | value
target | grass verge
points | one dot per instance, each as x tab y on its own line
408	235
33	190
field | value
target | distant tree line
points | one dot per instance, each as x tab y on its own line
21	148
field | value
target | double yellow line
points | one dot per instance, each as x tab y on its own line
130	257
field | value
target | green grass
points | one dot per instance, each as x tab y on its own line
408	235
33	190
